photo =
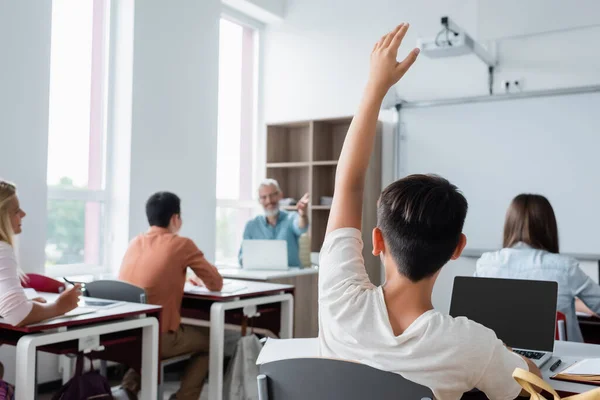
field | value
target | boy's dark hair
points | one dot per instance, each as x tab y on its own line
421	218
160	207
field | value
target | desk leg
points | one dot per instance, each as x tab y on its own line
287	317
64	363
217	349
150	361
25	381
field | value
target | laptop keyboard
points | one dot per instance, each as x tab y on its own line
533	355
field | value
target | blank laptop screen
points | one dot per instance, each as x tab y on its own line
521	312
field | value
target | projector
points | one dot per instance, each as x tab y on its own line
459	45
453	41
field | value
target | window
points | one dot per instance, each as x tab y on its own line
236	159
76	138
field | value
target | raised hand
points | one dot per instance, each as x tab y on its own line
385	69
346	210
303	204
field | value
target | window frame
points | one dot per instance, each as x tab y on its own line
258	163
98	126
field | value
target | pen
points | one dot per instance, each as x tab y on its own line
555	365
82	284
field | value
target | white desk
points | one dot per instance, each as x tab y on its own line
255	294
265	275
121	318
306	302
568	352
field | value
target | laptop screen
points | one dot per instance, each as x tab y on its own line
521	312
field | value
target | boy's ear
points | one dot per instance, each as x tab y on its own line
378	243
462	242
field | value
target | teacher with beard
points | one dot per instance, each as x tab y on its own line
277	224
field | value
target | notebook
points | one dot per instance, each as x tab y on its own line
229	286
284	349
585	371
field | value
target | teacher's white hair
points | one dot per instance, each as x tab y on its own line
270	182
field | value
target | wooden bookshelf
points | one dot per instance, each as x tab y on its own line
303	157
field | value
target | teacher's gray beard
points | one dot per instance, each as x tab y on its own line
272	213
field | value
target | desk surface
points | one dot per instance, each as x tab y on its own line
251	289
265	275
102	315
568	352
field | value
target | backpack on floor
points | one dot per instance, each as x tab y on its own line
7	391
85	386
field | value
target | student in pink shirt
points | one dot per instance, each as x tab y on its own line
15	307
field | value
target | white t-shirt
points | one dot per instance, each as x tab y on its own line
14	305
449	355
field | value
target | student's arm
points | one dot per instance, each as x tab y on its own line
584	288
385	71
582	308
534	370
532	367
204	270
66	302
15	308
496	380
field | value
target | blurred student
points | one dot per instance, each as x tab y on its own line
15	307
157	261
531	251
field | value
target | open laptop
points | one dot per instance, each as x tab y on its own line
265	254
521	312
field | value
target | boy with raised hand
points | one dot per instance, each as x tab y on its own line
420	219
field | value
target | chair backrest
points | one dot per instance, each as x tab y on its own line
561	326
42	283
325	379
115	290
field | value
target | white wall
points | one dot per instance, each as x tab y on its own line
537	17
25	85
24	91
164	115
118	166
174	112
317	58
267	11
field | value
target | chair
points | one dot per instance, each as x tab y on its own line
42	283
325	379
561	327
115	290
123	291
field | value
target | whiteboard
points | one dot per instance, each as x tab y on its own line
494	150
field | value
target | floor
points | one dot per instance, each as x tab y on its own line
170	388
171	377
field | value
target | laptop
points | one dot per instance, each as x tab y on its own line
265	254
521	312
